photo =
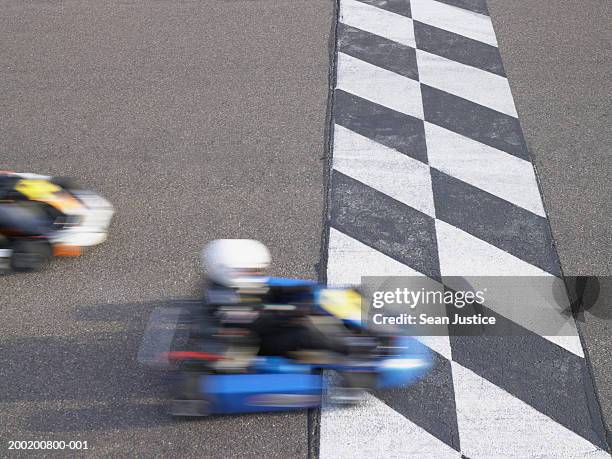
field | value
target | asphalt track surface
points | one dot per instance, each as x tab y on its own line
206	119
197	120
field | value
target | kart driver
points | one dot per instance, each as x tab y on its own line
241	297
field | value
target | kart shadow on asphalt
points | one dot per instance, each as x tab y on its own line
125	416
118	416
87	382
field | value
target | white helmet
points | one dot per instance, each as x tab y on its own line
236	263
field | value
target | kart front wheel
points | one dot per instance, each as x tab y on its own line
29	254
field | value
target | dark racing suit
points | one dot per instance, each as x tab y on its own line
276	318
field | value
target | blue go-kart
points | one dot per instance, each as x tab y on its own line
213	378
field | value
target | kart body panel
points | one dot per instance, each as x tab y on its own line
30	205
279	384
95	214
19	221
344	304
247	393
274	383
288	282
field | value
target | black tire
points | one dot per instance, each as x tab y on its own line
188	400
185	408
29	254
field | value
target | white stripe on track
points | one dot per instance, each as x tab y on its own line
350	259
377	21
462	254
484	167
374	430
458	20
491	420
379	85
384	169
479	86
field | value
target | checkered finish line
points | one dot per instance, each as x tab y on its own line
431	176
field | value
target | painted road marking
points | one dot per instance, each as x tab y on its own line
458	48
379	221
454	19
404	133
398	438
468	82
511	424
350	259
474	121
379	85
393	173
494	220
484	167
477	6
431	175
378	51
378	21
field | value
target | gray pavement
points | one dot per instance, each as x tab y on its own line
198	120
558	57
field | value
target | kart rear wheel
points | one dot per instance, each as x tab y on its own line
29	254
188	401
189	408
